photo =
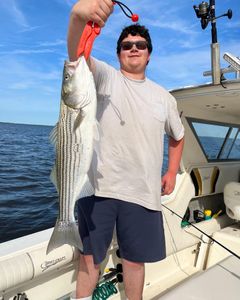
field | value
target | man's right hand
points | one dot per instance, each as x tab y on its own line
97	11
83	11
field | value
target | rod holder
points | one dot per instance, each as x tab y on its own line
215	61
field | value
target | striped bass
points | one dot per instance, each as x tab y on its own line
73	137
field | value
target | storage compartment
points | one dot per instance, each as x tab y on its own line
196	211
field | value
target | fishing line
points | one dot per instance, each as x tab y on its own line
211	238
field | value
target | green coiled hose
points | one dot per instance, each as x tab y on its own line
104	291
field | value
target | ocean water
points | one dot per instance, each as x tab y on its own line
28	199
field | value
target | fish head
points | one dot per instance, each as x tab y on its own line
68	85
75	84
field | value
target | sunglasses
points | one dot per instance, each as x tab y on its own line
140	45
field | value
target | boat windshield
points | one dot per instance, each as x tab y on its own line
218	141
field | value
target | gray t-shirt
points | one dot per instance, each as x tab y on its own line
133	116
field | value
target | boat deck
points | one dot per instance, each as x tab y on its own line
220	276
209	285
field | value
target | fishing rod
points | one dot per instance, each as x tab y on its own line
211	238
206	12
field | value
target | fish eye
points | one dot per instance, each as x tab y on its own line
66	77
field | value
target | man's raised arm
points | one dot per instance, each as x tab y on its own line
83	11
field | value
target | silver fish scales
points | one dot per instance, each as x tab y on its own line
74	137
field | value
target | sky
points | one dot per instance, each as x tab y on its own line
33	49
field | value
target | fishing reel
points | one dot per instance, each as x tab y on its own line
207	13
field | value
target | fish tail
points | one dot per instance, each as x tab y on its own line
64	233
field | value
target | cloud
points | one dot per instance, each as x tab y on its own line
26	51
29	28
29	86
176	25
32	58
11	7
20	75
58	42
36	47
69	3
21	85
178	69
233	24
186	67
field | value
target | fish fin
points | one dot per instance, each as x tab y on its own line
53	177
97	149
53	139
97	131
53	135
87	189
78	120
96	139
64	233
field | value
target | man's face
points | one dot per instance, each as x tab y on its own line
135	59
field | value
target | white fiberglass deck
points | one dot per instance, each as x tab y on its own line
220	282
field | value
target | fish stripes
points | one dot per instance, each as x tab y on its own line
74	149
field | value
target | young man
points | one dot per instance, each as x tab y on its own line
133	113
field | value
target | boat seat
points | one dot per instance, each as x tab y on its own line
205	180
208	285
231	195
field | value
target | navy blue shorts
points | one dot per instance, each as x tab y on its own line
140	232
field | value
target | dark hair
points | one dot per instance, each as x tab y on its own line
135	29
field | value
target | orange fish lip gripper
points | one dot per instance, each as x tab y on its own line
92	30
